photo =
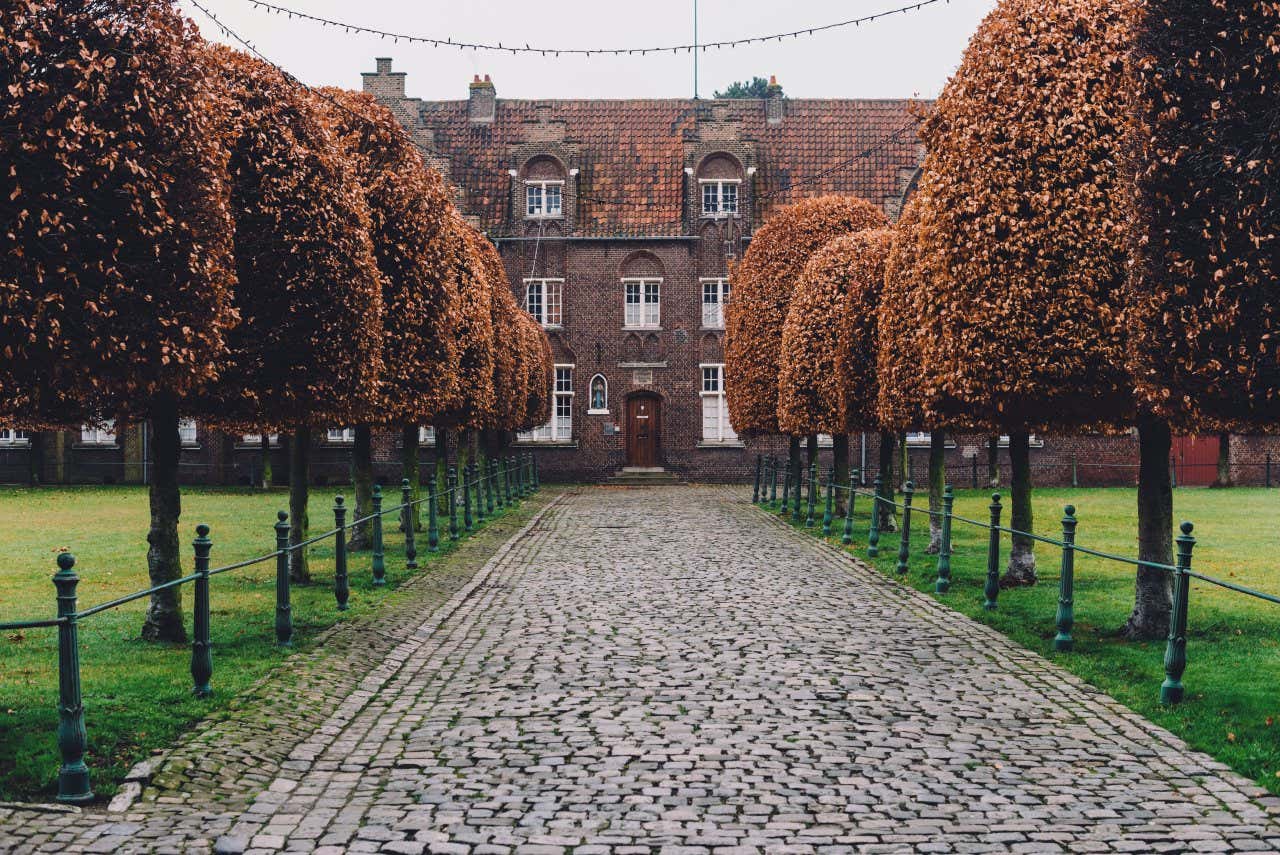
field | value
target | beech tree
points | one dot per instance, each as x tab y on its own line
1205	289
116	279
308	350
826	382
409	206
541	374
762	289
1025	234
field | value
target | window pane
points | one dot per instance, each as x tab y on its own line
553	302
729	198
187	431
553	195
533	199
709	200
632	318
533	300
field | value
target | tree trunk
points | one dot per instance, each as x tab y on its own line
409	469
362	481
35	457
937	481
163	621
993	461
904	461
1224	461
299	482
794	462
266	461
442	470
1153	595
840	462
1021	570
811	450
888	518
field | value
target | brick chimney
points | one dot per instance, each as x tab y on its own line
774	103
483	104
384	83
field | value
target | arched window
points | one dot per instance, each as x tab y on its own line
719	180
543	189
599	395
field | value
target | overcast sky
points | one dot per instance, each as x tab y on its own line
904	55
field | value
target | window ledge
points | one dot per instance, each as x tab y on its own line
641	329
725	444
603	412
546	443
662	364
553	326
255	446
103	446
9	446
190	446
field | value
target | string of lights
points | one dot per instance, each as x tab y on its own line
437	42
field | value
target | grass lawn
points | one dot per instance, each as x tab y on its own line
1233	648
138	695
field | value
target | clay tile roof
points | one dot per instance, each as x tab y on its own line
631	153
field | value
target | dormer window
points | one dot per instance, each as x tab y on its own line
719	197
544	199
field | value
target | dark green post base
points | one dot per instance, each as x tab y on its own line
873	534
904	545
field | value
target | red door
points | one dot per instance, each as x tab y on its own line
1195	460
643	426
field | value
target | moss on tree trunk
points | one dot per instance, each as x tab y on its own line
1153	594
163	621
888	490
937	481
1021	569
362	481
840	462
299	484
409	470
1224	461
794	463
993	461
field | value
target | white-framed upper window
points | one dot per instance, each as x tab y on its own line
187	431
715	294
560	428
719	197
643	303
341	435
256	438
544	299
426	435
543	199
105	434
11	437
715	409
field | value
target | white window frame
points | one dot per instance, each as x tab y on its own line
340	436
14	438
539	209
256	439
559	430
721	287
104	435
642	318
541	309
426	435
721	203
725	435
593	410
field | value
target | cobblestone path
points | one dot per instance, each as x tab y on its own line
669	670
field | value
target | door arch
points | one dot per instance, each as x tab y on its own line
644	430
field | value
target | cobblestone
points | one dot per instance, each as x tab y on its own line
671	671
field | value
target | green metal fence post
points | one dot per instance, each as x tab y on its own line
486	479
433	515
944	548
828	515
406	520
811	500
773	486
1066	616
904	546
992	588
477	476
1075	478
379	556
506	479
847	537
786	491
341	584
1175	653
755	493
873	533
73	775
201	651
284	610
797	515
451	484
467	521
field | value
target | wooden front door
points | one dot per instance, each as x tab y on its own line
643	430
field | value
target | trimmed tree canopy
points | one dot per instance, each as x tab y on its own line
308	349
826	383
536	348
762	287
473	404
1025	223
409	206
902	325
508	350
1206	287
115	233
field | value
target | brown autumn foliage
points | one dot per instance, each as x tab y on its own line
1025	227
536	348
1206	279
409	206
115	230
474	404
509	376
902	325
309	348
826	382
762	288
